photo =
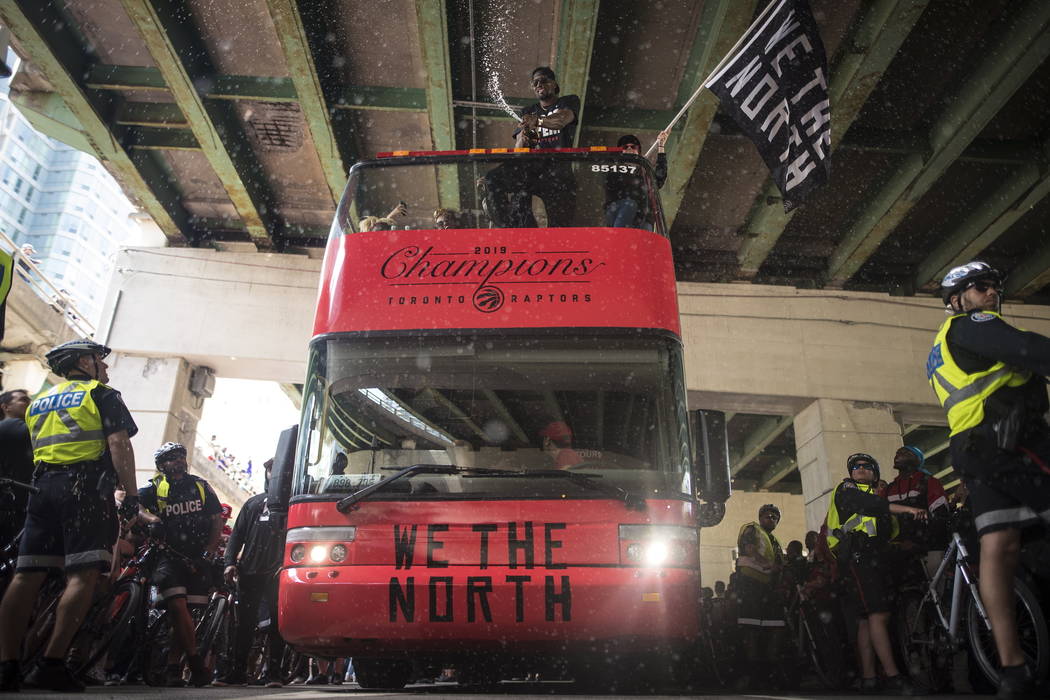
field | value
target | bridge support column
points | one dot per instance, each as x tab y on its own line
826	433
156	389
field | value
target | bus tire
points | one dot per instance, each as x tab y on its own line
382	674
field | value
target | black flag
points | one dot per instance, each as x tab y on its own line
775	85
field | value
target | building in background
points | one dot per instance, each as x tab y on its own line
63	203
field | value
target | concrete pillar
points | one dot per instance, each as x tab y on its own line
826	433
156	390
24	374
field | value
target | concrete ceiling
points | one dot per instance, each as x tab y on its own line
238	119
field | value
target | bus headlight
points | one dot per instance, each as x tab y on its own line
318	553
320	545
655	546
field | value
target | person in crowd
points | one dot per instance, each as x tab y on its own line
760	610
859	526
183	510
28	254
557	444
339	464
81	433
795	564
720	589
447	218
990	378
383	223
811	543
916	487
252	558
224	537
627	202
508	189
16	461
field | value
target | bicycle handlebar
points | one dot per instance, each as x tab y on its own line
4	481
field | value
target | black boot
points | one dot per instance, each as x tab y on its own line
10	676
53	674
199	676
1016	683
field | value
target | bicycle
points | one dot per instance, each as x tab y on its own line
817	632
932	630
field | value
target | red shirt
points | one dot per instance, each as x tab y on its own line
906	490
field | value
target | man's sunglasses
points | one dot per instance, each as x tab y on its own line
862	465
983	286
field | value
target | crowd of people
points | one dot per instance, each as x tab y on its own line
73	441
239	472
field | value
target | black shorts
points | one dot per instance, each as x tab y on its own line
1008	490
174	578
865	584
71	523
758	604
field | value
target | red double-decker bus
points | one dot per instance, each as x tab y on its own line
494	471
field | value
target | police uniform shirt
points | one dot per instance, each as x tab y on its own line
556	138
114	413
187	518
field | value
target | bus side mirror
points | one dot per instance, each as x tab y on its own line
282	470
711	465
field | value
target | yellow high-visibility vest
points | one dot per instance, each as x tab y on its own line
962	395
65	424
866	524
766	549
164	488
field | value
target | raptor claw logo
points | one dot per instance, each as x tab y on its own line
488	299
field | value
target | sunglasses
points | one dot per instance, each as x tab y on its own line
983	286
862	465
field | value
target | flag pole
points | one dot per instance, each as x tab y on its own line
717	68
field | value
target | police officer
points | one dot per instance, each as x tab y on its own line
188	513
859	526
990	377
81	433
760	612
253	557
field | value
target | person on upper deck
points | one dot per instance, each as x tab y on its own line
627	202
509	188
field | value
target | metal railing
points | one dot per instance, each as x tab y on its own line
57	298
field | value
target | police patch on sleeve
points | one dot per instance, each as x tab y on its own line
981	316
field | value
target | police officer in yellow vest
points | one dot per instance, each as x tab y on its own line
188	512
81	433
859	525
990	378
760	609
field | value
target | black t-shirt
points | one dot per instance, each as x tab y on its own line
256	539
16	462
556	138
187	518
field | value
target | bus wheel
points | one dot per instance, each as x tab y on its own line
376	674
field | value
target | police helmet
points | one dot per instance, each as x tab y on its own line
854	459
167	451
769	508
958	278
61	358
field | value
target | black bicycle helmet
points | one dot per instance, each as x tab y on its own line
863	457
167	451
958	278
61	358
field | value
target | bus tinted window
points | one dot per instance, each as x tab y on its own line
521	190
597	405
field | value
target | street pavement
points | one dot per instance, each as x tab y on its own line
420	692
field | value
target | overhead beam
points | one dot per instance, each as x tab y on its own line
57	52
759	439
777	471
297	54
990	219
457	412
159	139
508	418
1031	275
722	22
1019	49
217	130
48	114
576	31
876	38
432	23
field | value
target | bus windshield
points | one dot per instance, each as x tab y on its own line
524	407
518	190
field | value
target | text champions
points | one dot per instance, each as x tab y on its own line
415	265
471	601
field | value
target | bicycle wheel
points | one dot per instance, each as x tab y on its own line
43	621
922	643
158	642
214	619
1031	629
825	646
110	623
